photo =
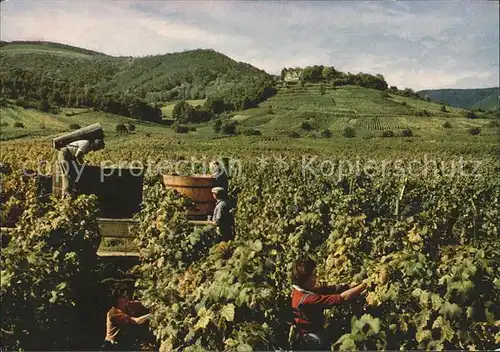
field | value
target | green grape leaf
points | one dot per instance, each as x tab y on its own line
227	312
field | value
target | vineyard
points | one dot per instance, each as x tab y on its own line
388	190
368	111
426	239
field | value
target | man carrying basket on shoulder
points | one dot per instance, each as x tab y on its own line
72	155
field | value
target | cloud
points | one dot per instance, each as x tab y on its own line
413	44
190	34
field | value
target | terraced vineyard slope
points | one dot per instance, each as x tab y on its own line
367	111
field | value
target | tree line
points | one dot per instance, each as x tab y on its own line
328	74
237	97
46	94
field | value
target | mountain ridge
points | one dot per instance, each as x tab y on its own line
17	45
471	98
5	45
164	77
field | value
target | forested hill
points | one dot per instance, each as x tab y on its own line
482	98
54	74
193	74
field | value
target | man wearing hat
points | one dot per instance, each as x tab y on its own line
223	217
71	153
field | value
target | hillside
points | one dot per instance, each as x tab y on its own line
294	109
50	76
31	46
368	111
489	103
17	123
73	77
485	98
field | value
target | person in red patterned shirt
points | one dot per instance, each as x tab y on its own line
309	301
117	319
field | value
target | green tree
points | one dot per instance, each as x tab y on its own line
349	132
215	104
182	112
201	114
56	97
393	89
44	92
71	100
229	127
217	126
121	128
328	73
306	126
312	74
44	105
408	92
322	89
178	128
471	115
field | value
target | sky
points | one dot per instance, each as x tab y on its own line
416	44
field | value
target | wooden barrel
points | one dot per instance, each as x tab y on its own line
119	190
198	189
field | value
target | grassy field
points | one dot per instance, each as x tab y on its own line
30	48
47	48
39	124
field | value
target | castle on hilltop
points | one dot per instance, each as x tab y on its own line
291	74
